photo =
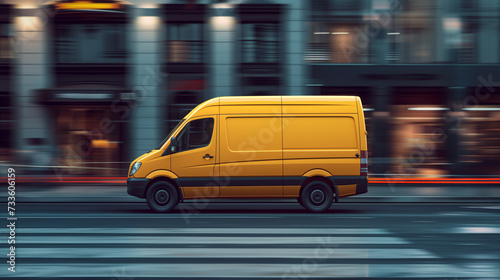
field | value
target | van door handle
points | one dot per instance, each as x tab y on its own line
207	156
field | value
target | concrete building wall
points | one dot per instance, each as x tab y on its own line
222	26
146	79
32	72
146	48
295	44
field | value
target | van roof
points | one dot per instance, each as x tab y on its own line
342	104
293	99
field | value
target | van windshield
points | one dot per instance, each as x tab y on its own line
170	134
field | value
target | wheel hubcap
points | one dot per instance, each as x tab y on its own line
162	197
317	196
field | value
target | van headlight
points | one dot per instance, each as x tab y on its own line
134	168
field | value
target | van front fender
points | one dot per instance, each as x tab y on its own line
162	173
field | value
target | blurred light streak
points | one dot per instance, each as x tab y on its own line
148	22
427	109
148	6
481	109
222	6
487	230
26	6
28	23
222	23
452	24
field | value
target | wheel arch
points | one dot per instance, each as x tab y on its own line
320	176
164	175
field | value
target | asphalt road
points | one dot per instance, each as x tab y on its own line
125	241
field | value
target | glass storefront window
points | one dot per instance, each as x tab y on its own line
6	47
6	42
84	146
418	131
480	131
481	140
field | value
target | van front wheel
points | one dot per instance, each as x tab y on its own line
317	196
162	197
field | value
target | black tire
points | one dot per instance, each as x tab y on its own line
317	196
299	200
162	197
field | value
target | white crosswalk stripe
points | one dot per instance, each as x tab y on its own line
280	253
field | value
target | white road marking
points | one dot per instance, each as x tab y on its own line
298	253
230	270
205	240
477	230
483	207
285	231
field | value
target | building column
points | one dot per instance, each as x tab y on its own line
33	72
380	155
147	80
221	50
295	41
453	123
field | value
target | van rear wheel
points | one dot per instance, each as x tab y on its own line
162	197
317	196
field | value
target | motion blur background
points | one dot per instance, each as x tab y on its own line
87	86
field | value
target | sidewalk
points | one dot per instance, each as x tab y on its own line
446	193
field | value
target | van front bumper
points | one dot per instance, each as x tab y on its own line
137	187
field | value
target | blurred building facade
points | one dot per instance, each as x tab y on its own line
95	84
426	70
86	86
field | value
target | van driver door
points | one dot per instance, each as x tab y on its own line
195	157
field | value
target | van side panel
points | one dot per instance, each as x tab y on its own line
321	141
250	154
330	135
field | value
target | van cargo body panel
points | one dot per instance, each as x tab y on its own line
259	147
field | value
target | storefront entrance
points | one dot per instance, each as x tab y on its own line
90	141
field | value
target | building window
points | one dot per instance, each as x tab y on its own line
260	42
6	47
90	43
335	42
185	42
6	42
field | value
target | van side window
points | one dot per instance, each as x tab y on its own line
196	134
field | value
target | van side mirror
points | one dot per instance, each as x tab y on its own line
173	143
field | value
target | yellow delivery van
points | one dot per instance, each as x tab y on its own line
310	148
